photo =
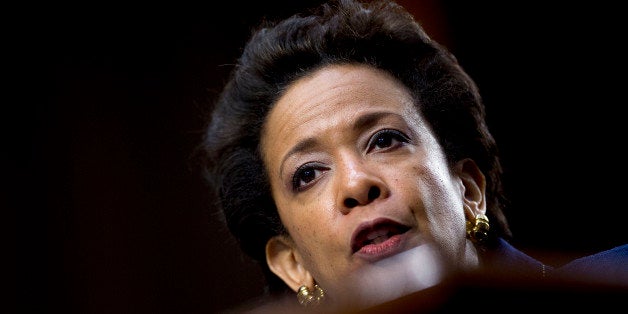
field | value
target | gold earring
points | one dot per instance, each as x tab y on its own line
309	298
477	231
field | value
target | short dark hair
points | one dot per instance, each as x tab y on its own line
381	34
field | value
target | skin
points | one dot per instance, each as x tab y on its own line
318	130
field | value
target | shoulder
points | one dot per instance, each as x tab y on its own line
609	266
503	257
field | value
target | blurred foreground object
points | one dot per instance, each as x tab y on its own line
483	292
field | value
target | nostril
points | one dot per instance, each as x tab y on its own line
351	202
373	193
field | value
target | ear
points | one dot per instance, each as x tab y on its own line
284	261
473	188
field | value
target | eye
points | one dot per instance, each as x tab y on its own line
305	175
387	139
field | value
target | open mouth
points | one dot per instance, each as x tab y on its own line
376	232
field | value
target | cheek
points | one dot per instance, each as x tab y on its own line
422	184
317	242
436	184
438	199
444	212
310	225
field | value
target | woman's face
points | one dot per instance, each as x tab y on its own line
358	177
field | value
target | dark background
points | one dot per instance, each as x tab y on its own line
110	105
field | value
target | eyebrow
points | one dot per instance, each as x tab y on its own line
371	119
364	121
301	146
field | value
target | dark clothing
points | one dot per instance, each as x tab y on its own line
606	267
505	258
610	266
511	279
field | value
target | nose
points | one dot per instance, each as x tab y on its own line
359	184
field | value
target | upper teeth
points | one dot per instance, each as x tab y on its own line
376	234
379	240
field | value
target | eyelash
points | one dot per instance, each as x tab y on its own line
394	135
315	168
298	175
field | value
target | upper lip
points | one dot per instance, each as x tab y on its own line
361	234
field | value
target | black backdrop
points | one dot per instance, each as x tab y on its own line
112	220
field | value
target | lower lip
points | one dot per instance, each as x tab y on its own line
376	252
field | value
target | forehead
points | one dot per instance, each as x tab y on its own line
329	84
334	89
331	98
